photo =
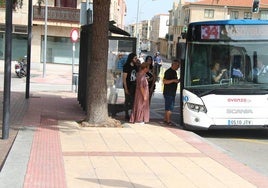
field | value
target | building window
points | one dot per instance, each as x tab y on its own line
247	15
65	3
209	13
167	23
234	15
2	27
20	29
264	15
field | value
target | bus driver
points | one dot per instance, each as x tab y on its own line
216	74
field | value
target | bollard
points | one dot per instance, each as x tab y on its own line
75	81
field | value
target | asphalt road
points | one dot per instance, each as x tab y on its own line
247	146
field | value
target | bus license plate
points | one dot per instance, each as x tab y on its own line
239	122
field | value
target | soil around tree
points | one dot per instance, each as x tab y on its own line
109	123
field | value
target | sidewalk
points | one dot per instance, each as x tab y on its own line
52	150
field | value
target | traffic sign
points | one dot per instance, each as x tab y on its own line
74	35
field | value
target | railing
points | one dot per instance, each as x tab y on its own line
57	14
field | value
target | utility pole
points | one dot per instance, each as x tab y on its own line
45	43
137	23
30	8
7	76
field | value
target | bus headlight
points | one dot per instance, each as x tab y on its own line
196	107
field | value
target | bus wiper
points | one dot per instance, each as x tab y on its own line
206	92
209	91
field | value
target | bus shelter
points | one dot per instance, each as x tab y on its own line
119	48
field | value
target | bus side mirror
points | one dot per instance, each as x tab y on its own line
183	35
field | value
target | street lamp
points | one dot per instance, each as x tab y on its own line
137	23
45	41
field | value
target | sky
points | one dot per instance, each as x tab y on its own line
147	9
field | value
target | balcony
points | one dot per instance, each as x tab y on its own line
57	14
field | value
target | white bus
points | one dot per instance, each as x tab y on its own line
238	98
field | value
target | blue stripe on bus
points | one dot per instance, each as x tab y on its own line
231	22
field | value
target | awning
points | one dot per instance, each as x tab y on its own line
117	30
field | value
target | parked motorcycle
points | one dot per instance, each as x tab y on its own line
21	67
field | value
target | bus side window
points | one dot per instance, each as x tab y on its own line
196	72
200	75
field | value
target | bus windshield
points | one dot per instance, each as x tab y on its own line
224	57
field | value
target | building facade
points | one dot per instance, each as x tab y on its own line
19	29
184	13
159	31
145	44
62	17
149	33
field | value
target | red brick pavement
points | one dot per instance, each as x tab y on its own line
46	168
46	165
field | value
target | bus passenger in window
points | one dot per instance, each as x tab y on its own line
216	74
236	72
260	68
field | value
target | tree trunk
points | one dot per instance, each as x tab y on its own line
97	107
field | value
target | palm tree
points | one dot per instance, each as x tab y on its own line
97	107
